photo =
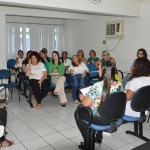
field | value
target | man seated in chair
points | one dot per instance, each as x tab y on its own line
140	77
95	97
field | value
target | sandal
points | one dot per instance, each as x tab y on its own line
35	105
38	106
56	93
63	104
6	143
81	146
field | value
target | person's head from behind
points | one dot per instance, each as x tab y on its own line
55	57
108	76
20	54
75	60
141	53
108	71
141	68
64	55
92	53
105	55
34	57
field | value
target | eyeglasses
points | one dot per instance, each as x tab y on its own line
140	54
104	55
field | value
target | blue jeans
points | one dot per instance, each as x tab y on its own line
78	82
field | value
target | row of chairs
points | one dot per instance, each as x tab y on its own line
112	110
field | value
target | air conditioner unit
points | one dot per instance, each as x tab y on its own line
115	30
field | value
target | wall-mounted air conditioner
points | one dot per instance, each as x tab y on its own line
115	30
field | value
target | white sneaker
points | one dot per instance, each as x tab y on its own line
76	102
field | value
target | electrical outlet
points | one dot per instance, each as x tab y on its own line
104	41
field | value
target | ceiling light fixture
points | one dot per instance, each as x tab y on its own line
95	1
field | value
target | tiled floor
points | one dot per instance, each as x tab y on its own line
54	128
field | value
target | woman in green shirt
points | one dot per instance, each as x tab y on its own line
56	69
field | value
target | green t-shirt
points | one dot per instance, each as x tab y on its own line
92	60
52	67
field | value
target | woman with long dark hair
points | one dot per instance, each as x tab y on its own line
44	58
57	70
65	60
140	77
141	53
96	96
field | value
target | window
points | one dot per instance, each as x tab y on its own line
34	37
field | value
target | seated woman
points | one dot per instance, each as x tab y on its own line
140	77
19	60
3	120
57	70
37	74
79	71
95	99
92	59
81	57
65	60
141	53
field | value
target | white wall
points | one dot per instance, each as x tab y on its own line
90	34
2	41
115	7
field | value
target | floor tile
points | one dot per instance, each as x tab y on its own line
114	142
18	146
65	145
54	138
35	144
70	133
61	126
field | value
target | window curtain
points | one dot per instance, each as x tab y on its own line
34	37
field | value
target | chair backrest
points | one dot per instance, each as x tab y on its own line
141	99
11	63
113	108
4	74
93	71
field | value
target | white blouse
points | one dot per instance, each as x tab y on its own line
37	71
134	85
78	69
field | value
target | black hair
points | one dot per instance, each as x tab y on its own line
20	51
42	60
93	52
58	57
144	52
108	75
36	54
62	55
